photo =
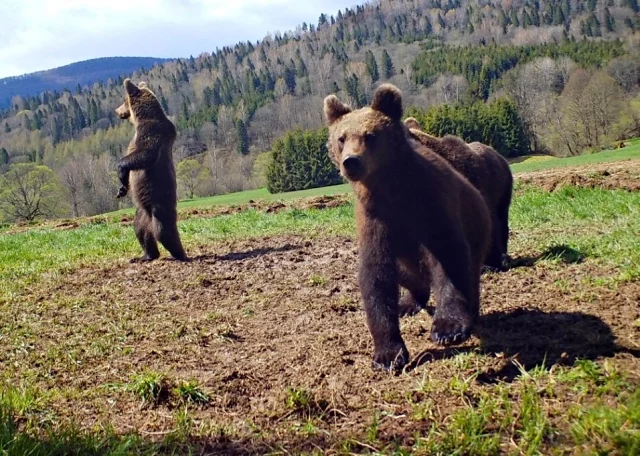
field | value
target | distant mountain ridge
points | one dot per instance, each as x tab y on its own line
69	76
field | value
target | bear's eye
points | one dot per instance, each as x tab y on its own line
341	140
369	139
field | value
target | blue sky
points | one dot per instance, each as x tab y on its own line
41	34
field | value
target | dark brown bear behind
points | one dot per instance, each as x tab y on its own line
488	171
147	170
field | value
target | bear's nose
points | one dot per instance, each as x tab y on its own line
352	165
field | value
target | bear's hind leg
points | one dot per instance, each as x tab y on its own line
494	259
503	226
457	297
142	226
414	276
166	231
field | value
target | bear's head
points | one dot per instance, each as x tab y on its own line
365	140
139	103
412	123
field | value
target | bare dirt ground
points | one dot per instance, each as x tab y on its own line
251	319
623	175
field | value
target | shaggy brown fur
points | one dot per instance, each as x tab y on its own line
489	172
419	222
147	170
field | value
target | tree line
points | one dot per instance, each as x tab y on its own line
233	104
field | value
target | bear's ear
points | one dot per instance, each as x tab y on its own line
388	100
142	85
130	87
334	109
412	124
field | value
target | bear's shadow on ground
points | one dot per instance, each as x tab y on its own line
558	252
253	253
535	338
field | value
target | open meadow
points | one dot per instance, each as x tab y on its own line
259	345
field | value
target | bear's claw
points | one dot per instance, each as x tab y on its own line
447	332
392	358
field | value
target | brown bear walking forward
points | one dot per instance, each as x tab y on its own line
147	170
489	172
419	222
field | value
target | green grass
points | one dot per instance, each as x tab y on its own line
567	226
260	194
598	224
627	153
45	253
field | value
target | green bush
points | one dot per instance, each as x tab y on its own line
299	161
497	124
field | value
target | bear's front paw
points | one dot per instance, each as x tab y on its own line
392	357
446	331
122	191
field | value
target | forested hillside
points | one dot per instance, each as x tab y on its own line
70	76
554	60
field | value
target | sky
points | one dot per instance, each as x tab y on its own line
42	34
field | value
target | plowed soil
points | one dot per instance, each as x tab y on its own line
250	320
623	175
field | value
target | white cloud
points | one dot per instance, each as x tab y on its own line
42	34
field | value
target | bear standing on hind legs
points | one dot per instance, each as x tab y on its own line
147	171
489	172
420	225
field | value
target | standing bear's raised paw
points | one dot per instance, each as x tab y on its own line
122	192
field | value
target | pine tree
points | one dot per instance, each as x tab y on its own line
633	4
243	137
56	130
558	16
185	110
165	105
514	18
372	66
290	79
387	65
609	21
4	156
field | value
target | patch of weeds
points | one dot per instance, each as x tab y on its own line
317	280
150	387
374	428
345	304
214	316
537	373
184	423
603	429
423	411
587	375
534	424
248	312
465	361
299	399
308	428
461	385
226	332
190	392
471	430
562	253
